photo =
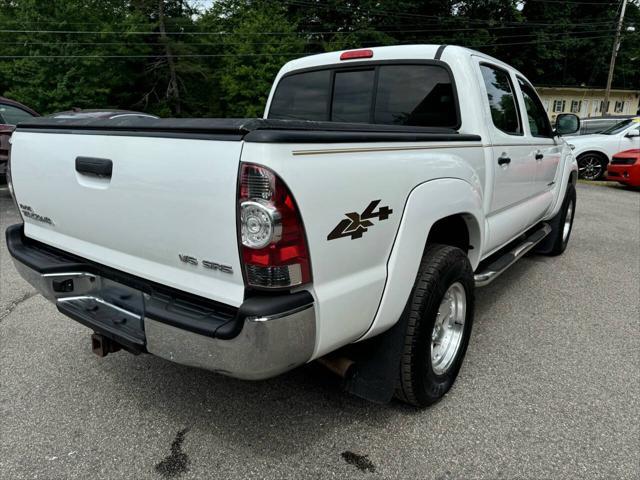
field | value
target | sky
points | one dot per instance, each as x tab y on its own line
202	4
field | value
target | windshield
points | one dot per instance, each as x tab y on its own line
618	127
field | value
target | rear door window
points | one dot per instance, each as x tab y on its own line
538	120
415	95
502	101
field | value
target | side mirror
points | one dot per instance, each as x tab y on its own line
567	123
634	132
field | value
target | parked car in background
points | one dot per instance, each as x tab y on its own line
594	152
625	168
101	114
11	113
592	125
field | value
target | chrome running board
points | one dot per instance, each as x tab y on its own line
492	271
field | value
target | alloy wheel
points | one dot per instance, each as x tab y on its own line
590	167
448	329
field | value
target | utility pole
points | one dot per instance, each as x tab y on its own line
614	53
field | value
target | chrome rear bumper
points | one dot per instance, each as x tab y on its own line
265	345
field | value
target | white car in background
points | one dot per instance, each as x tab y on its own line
594	152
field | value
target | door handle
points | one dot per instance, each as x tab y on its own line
504	160
539	156
100	167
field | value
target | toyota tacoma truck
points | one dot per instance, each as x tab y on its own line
350	225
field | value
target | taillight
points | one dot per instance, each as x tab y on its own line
274	248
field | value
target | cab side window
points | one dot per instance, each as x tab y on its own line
537	117
502	100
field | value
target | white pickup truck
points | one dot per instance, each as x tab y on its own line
350	225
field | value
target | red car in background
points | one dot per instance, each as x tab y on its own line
625	168
11	113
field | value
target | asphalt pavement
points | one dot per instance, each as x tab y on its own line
550	388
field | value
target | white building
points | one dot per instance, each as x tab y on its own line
588	102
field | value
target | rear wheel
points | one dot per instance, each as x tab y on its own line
440	312
591	166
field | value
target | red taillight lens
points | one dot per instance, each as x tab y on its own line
274	247
353	54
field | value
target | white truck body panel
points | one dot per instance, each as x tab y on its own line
349	277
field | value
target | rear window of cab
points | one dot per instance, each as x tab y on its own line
420	95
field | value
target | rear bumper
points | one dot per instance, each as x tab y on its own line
262	338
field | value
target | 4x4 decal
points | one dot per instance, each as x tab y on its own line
357	223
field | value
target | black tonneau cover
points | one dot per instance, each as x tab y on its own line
248	129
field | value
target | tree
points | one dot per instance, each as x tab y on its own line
169	58
258	38
57	77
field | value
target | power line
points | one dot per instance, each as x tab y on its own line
335	32
293	54
539	42
195	55
309	42
390	13
437	27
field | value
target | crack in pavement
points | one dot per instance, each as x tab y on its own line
13	305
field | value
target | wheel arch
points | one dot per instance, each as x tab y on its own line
461	230
595	151
430	210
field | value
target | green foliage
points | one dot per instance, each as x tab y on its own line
250	62
113	54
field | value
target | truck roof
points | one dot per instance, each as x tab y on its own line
395	52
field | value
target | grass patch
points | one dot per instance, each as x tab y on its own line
605	183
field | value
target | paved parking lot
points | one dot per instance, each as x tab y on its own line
550	388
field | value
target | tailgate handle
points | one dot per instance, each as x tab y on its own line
100	167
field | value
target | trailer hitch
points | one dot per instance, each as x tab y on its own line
103	346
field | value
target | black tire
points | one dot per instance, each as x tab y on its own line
592	166
556	242
441	267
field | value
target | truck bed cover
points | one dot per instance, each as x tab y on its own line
249	129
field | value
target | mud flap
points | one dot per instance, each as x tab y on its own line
377	364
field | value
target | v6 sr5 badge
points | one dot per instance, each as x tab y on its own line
356	224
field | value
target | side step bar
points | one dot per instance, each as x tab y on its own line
492	271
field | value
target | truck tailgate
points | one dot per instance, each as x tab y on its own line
168	205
